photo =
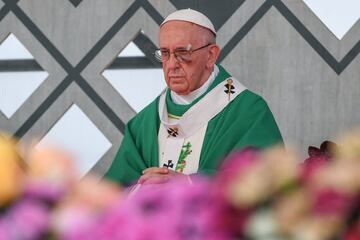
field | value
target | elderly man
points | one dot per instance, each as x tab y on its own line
202	116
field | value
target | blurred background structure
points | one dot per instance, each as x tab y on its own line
74	71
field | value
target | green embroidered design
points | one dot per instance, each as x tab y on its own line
185	151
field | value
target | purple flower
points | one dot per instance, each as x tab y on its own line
74	222
4	235
43	191
27	220
175	211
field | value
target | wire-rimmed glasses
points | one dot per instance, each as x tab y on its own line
181	54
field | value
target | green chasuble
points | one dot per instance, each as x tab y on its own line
244	122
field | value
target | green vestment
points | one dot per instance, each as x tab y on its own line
244	122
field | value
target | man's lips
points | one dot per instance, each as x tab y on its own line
176	77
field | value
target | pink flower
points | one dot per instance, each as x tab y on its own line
318	157
236	164
332	202
311	166
353	233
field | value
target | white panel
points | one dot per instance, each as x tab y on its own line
16	87
77	134
137	87
338	15
11	48
131	50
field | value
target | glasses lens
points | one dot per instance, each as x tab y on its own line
158	55
183	55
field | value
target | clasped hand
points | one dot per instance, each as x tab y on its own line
157	175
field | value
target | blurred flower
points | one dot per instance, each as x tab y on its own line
330	202
228	215
82	207
27	220
237	164
50	173
175	210
272	171
349	147
281	167
241	179
250	188
316	228
290	209
72	222
254	195
4	235
318	157
262	225
11	173
354	231
94	193
340	176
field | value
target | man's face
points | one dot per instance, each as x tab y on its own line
184	77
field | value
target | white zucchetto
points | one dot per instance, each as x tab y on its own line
190	15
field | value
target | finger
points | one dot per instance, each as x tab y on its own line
158	179
162	170
148	176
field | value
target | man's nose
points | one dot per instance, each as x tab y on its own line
172	62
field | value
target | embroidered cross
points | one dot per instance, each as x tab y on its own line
229	88
173	132
169	164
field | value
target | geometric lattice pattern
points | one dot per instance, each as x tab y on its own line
16	87
75	2
75	131
338	16
11	48
278	48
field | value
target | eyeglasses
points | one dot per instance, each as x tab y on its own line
181	54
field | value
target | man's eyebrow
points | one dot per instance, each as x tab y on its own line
182	47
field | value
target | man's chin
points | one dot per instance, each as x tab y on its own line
180	91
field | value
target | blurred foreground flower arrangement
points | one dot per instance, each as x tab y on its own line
255	195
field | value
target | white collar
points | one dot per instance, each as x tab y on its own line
187	99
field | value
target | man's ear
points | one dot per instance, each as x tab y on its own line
214	52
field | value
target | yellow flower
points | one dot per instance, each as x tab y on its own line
282	166
275	171
10	171
51	166
290	209
342	176
349	147
250	188
94	194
